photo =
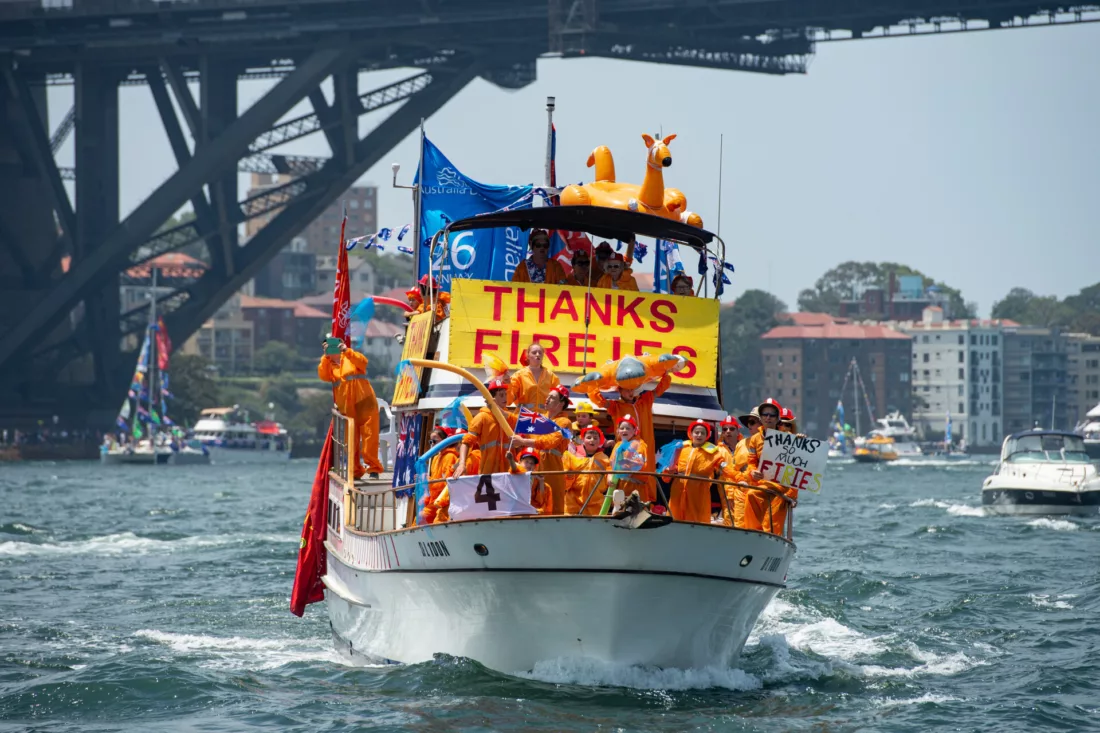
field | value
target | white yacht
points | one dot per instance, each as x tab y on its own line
1043	472
162	450
228	435
1089	429
897	427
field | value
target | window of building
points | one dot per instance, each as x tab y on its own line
779	376
962	373
903	377
779	392
962	339
927	357
937	338
794	392
924	339
794	359
938	355
962	357
779	360
962	390
994	340
355	203
973	339
939	373
926	374
768	357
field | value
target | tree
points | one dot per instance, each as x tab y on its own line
312	421
754	313
282	391
1079	313
192	386
848	278
1014	305
275	357
390	271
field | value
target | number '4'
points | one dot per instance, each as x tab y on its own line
490	497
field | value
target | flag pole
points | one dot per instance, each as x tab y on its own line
417	234
549	172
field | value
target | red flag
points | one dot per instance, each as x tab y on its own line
571	242
164	346
312	561
341	294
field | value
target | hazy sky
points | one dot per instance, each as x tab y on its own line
973	157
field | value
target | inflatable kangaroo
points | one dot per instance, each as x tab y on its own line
649	198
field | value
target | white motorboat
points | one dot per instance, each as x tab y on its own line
231	437
167	451
1089	429
1043	472
897	427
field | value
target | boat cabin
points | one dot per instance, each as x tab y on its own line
1044	446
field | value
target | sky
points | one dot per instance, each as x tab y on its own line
973	157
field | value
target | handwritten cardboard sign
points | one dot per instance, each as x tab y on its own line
794	461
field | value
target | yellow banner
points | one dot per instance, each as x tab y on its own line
505	318
407	389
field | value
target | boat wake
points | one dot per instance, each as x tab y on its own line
953	508
243	653
131	544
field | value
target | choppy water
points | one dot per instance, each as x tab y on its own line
156	599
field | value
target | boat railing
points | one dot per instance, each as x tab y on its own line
343	435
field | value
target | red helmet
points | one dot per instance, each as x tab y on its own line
629	420
698	423
495	384
529	452
785	414
561	391
770	402
593	429
729	421
616	257
424	281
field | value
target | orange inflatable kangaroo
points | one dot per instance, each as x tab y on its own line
649	198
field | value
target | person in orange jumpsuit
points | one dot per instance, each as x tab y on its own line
639	407
442	300
776	521
628	433
440	467
683	285
531	384
528	463
729	441
484	434
698	457
581	277
616	277
443	501
758	503
553	446
579	487
354	397
585	415
538	267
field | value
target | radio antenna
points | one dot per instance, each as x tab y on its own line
721	142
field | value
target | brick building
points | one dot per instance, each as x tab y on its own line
805	368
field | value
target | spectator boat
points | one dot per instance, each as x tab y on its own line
1043	472
231	438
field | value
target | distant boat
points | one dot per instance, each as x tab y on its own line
229	436
1089	429
876	449
1043	472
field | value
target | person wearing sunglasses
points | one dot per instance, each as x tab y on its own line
582	269
757	503
538	267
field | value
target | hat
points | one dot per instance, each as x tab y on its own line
785	415
729	421
754	413
529	452
538	233
583	249
561	391
699	423
603	247
585	406
770	402
627	419
497	383
682	276
424	281
616	257
593	429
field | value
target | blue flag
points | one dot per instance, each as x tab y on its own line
668	265
532	423
447	196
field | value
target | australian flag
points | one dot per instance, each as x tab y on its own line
532	423
408	450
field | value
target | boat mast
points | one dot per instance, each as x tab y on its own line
548	173
855	393
153	361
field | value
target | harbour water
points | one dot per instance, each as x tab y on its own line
142	598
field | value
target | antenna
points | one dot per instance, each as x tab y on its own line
721	141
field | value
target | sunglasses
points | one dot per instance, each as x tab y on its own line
726	430
582	263
540	245
773	415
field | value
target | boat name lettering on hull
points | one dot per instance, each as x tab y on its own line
434	549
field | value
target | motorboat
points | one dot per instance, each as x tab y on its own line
231	437
500	583
1043	472
876	449
163	450
903	435
1089	429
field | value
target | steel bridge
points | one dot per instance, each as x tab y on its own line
66	348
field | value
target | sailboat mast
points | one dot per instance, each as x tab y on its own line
153	362
855	394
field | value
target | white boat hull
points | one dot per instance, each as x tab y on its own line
673	596
146	458
219	454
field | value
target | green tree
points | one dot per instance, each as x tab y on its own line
275	357
312	420
1014	305
193	387
754	313
390	271
848	278
282	391
1084	310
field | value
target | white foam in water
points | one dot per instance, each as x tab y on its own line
130	544
784	626
1059	525
1042	600
591	672
958	510
237	652
926	697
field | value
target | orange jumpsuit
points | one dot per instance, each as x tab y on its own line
443	501
354	397
625	282
690	500
555	273
776	523
734	471
525	391
758	503
642	412
541	500
552	447
441	466
642	484
442	301
579	487
486	436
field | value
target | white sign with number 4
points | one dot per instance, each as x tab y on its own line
490	495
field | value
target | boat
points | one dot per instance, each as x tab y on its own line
1043	472
876	449
895	427
1089	430
148	436
509	589
230	437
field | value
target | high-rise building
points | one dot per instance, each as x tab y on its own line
805	367
1036	385
1082	375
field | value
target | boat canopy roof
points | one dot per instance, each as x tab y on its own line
1044	433
217	411
1043	445
600	221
